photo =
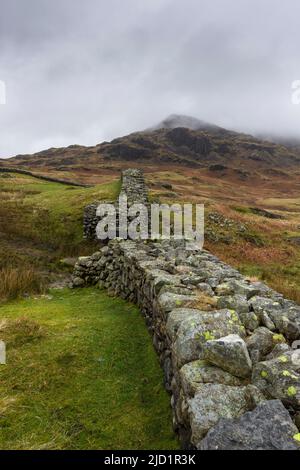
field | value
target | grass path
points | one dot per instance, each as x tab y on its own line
81	373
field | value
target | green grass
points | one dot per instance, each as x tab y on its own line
49	212
41	222
81	373
81	370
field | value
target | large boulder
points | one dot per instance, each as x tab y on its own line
268	427
230	353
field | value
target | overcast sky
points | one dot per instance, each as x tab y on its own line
84	71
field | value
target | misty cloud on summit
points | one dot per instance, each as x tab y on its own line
83	72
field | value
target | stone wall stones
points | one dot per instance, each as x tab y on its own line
225	343
216	363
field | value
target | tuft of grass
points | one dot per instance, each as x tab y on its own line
85	378
289	290
48	214
17	282
203	302
20	331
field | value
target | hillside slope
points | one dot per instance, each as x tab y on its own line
178	140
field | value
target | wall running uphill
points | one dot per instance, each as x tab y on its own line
227	346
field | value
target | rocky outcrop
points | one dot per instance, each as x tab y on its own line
225	343
182	137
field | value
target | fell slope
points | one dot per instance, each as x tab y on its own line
178	140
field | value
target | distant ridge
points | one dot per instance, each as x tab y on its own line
176	140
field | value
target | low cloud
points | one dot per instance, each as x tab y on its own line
84	72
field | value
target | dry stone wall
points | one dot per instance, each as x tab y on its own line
226	345
13	170
133	186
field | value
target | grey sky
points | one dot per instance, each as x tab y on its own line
86	71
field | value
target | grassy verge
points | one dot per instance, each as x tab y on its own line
41	223
17	281
48	214
80	378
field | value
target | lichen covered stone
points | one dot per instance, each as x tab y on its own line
193	333
268	427
230	354
213	402
280	377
